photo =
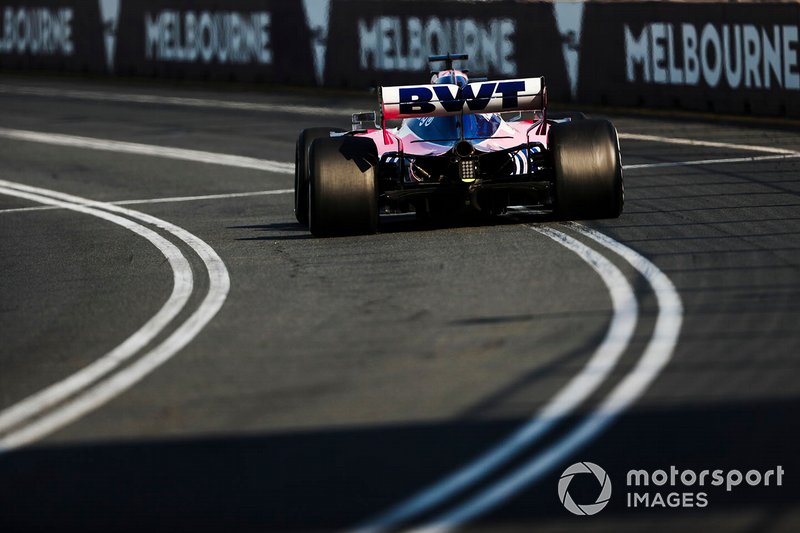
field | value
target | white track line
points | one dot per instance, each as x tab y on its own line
783	153
708	144
181	290
655	357
617	339
168	199
150	99
203	197
196	156
116	383
700	162
32	208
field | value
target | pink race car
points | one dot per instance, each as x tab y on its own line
461	146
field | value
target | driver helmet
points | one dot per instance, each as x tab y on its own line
450	77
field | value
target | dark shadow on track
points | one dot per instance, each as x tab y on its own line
400	224
283	226
330	479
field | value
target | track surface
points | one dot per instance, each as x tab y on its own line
342	376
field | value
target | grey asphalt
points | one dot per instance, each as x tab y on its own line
343	375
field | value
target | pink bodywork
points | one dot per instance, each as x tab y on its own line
508	135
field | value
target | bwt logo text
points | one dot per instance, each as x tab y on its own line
418	99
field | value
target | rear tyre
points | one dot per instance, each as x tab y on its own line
588	170
343	197
307	137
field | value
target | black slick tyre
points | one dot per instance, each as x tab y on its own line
588	170
302	147
343	196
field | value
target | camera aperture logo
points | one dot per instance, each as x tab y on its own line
664	488
585	509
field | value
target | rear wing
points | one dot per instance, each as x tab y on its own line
500	96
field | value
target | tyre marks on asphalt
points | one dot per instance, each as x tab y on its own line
68	400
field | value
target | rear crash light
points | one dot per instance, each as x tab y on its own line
468	170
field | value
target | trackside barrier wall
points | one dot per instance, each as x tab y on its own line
719	57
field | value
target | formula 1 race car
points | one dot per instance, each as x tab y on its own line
457	149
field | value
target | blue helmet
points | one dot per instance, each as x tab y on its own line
450	77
